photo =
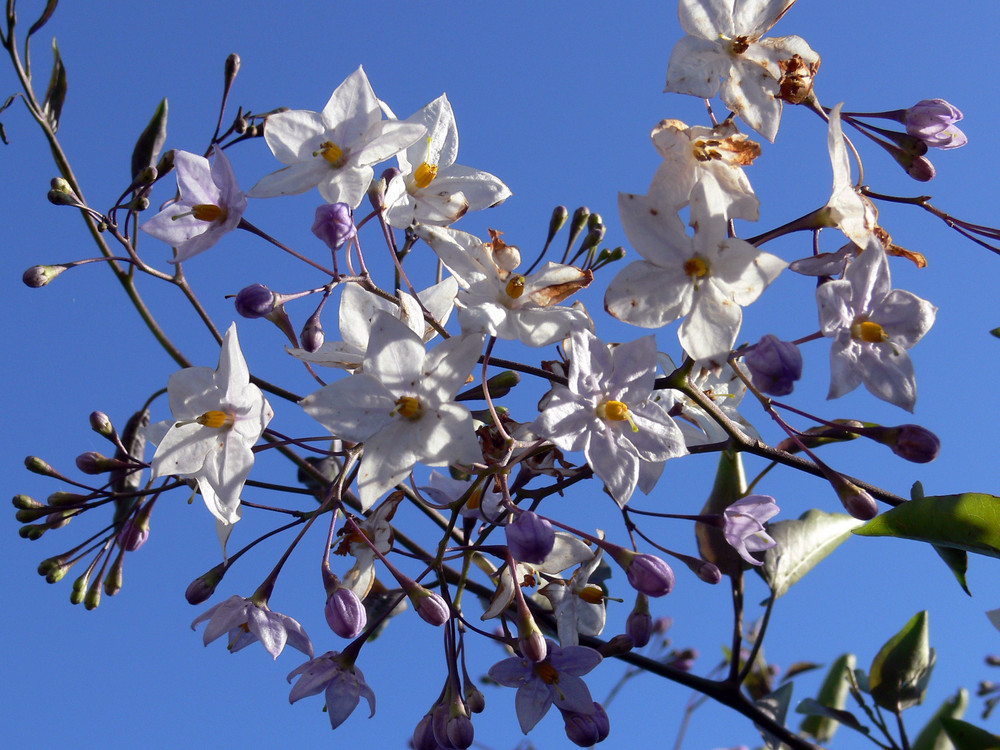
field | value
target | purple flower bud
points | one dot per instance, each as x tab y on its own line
201	588
650	575
334	224
453	727
587	729
920	169
474	699
639	625
423	735
855	500
933	122
775	365
430	606
909	441
255	301
683	660
93	462
345	614
133	535
530	538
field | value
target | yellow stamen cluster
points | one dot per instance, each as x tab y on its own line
616	411
548	673
424	174
592	594
706	150
209	212
331	152
866	330
216	419
696	267
408	407
515	286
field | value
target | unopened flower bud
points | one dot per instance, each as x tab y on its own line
684	659
639	625
201	588
452	726
430	606
166	162
530	538
62	499
423	735
530	641
559	216
32	532
24	502
474	698
909	441
54	569
579	220
133	534
312	336
39	276
334	224
232	68
26	515
345	614
101	424
255	301
93	462
933	122
648	574
37	466
775	365
918	167
585	730
855	500
59	518
617	645
993	660
708	572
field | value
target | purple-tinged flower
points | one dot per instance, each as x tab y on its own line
555	680
334	224
744	525
248	622
343	682
211	205
933	122
530	538
587	729
775	365
345	614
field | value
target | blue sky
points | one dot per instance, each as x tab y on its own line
557	99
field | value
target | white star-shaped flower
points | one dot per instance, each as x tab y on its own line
723	48
872	326
496	300
706	279
335	149
400	406
219	417
432	188
247	622
211	204
608	411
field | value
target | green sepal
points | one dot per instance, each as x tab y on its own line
902	668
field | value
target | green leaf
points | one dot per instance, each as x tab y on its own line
970	522
833	717
958	561
933	735
147	148
730	485
775	705
996	332
801	545
967	736
902	668
55	96
833	696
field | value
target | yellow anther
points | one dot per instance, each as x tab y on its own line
548	673
515	286
424	174
696	267
408	407
331	152
215	419
616	411
866	330
705	150
209	212
592	594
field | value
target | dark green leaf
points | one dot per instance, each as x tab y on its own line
970	522
958	561
775	705
933	736
966	736
900	671
832	717
50	8
801	545
55	96
147	148
832	696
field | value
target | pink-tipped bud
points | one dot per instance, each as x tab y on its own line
530	538
345	613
